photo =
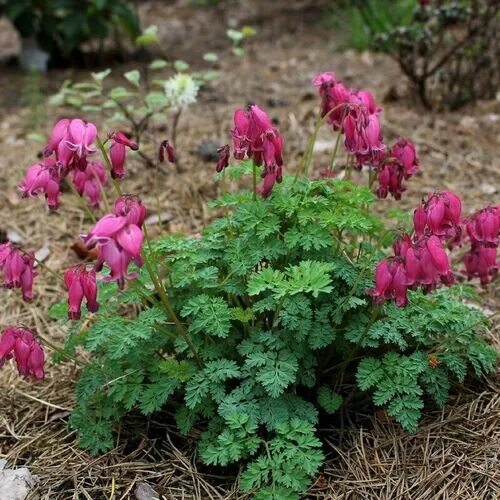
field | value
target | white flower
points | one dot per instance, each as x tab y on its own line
181	90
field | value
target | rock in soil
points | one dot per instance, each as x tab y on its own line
15	484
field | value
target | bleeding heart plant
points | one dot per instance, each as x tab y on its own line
256	331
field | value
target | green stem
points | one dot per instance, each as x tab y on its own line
104	197
49	270
348	168
335	149
254	181
153	274
306	159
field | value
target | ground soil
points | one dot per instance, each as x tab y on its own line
455	454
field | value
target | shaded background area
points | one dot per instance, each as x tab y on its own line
454	454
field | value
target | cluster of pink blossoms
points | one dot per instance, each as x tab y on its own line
20	344
17	269
70	149
355	114
118	238
421	260
483	230
81	284
255	137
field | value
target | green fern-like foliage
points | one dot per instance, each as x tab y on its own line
273	300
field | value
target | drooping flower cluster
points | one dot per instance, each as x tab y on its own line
399	164
44	178
439	215
80	283
118	238
355	114
17	269
483	230
421	260
20	344
70	148
255	137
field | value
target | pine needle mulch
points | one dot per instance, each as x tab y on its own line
455	454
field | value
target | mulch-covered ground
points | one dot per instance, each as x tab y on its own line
456	452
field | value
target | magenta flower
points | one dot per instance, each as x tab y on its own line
59	133
390	180
427	264
166	150
363	134
105	228
17	268
43	178
419	220
72	141
405	154
80	138
439	215
390	282
481	262
20	344
89	182
80	284
118	153
118	261
223	160
484	226
130	207
397	165
255	137
334	95
118	238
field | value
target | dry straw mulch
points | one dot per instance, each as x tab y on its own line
454	455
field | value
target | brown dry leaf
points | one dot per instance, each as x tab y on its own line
82	252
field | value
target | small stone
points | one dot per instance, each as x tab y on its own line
144	492
207	150
15	484
487	188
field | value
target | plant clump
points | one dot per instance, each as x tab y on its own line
298	298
